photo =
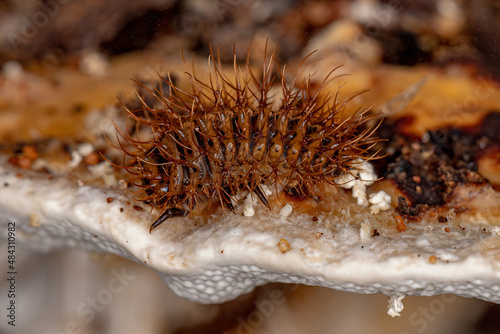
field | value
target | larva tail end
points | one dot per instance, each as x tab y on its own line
169	213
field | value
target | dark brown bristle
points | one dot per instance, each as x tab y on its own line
223	137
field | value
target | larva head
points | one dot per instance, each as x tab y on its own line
226	135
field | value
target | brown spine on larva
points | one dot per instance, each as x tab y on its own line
223	136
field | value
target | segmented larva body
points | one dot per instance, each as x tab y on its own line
225	136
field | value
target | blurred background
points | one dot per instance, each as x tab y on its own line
60	59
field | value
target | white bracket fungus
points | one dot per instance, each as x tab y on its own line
54	212
395	306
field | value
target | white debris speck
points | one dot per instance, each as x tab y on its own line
365	231
363	11
253	198
357	179
395	306
122	184
286	210
85	149
346	181
100	169
382	198
99	122
367	173
266	190
104	170
495	230
248	209
109	180
39	164
233	200
359	192
346	211
76	158
12	70
380	201
374	209
94	63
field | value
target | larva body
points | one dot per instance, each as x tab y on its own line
227	136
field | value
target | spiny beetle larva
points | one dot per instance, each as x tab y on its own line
225	135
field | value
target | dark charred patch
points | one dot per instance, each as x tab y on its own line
490	127
400	47
442	219
407	210
428	169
